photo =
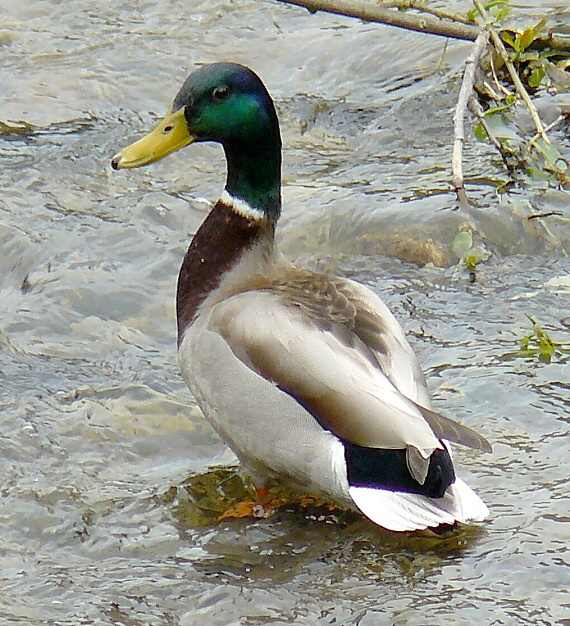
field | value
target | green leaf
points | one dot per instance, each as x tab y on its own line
524	343
536	77
472	14
538	343
545	349
529	55
480	132
471	261
538	175
554	160
462	243
507	38
530	34
496	109
499	126
499	9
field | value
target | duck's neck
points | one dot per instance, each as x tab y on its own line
244	217
216	248
254	172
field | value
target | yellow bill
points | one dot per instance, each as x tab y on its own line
170	135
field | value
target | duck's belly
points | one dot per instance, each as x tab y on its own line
271	434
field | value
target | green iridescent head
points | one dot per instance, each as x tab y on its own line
228	104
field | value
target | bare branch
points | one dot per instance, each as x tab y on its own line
446	27
371	12
459	117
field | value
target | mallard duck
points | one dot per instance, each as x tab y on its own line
307	377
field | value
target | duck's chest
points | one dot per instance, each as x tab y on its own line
223	241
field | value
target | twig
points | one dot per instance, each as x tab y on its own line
498	84
523	93
557	121
535	216
442	56
465	92
486	88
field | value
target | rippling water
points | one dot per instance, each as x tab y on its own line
98	431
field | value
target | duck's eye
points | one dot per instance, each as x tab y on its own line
220	93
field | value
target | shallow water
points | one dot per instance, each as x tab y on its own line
100	435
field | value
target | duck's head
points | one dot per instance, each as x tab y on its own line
228	104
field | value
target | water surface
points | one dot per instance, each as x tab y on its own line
100	435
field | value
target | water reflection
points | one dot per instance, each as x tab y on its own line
298	540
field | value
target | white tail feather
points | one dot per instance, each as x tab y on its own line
409	511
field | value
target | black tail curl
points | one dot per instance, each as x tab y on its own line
378	468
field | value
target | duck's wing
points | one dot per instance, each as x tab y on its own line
304	336
446	428
375	324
